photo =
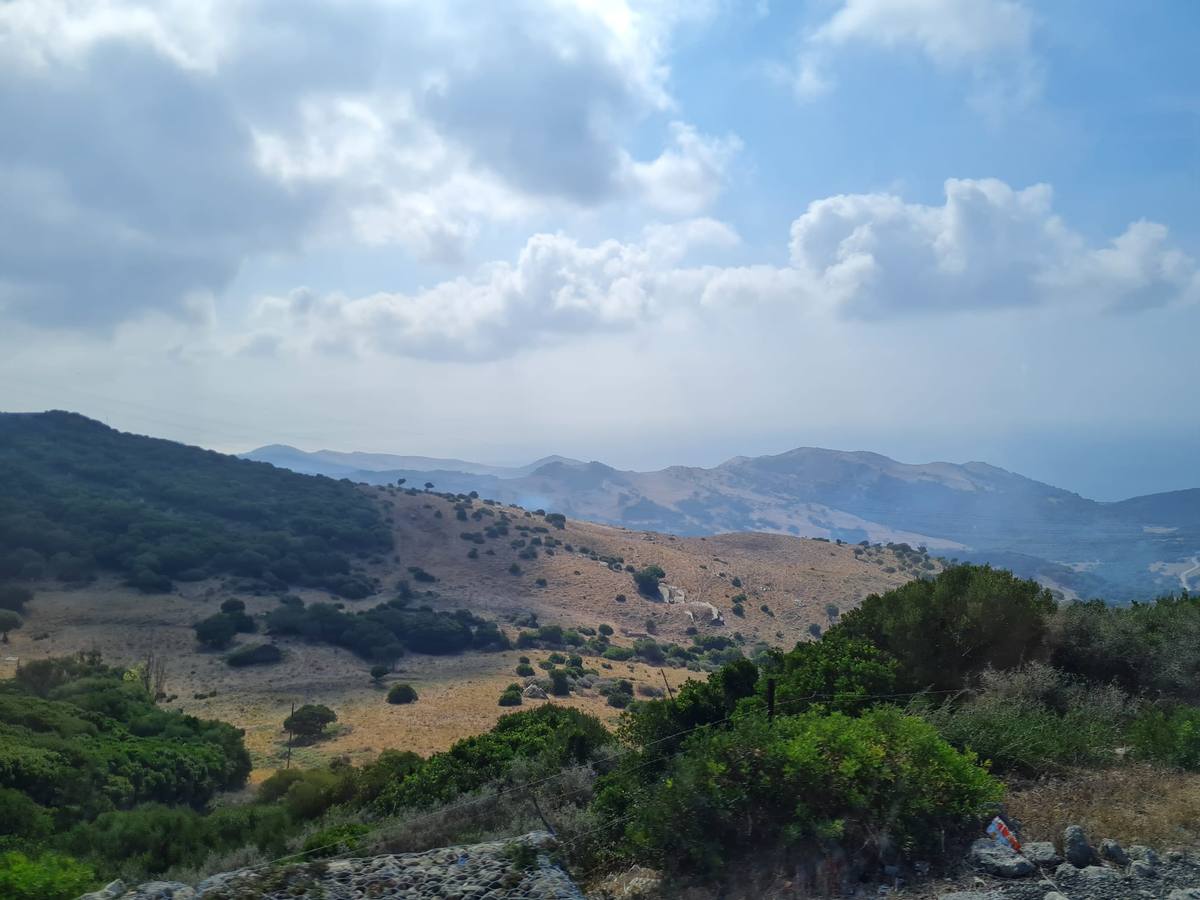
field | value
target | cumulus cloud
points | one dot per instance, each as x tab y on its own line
858	256
556	287
988	245
154	148
990	40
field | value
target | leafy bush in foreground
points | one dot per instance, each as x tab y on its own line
815	778
49	876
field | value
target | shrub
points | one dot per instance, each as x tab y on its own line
618	654
378	673
1171	737
819	778
14	597
947	629
49	876
605	629
525	670
1037	719
511	696
560	684
309	721
9	621
216	631
647	580
336	840
254	655
402	693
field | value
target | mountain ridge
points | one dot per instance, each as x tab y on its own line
975	510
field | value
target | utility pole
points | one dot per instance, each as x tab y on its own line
670	693
288	764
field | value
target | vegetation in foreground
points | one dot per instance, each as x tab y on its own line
892	735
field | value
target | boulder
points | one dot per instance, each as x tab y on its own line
1042	854
1054	895
161	890
1076	848
534	692
998	860
1113	852
1143	868
1138	851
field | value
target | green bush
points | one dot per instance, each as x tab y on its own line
812	779
1171	737
49	876
647	580
560	684
946	630
1036	720
335	840
309	721
402	693
525	670
511	696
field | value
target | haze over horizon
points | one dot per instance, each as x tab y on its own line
638	232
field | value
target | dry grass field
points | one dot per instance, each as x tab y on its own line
794	579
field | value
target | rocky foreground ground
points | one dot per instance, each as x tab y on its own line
519	869
525	869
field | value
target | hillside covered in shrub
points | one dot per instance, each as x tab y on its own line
77	498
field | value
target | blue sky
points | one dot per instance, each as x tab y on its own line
644	232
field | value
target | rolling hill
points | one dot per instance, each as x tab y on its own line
88	511
1121	551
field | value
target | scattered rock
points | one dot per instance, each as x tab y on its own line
970	895
1138	851
110	891
1185	894
1113	852
638	882
1098	873
1042	854
473	872
999	861
534	692
1054	895
1143	868
1076	848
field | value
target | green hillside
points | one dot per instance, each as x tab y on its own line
78	498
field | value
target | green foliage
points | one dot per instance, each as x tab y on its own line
216	631
402	693
560	684
79	741
1036	720
77	497
1168	736
605	629
1147	647
551	736
48	876
379	672
511	696
947	629
14	597
9	621
525	670
345	838
808	779
310	720
647	580
837	673
386	631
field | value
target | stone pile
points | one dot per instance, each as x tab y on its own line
518	869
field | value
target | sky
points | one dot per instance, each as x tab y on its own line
649	233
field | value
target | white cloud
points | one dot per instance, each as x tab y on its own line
988	245
556	287
989	40
220	131
687	177
859	256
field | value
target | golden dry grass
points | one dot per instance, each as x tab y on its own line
1135	804
795	578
